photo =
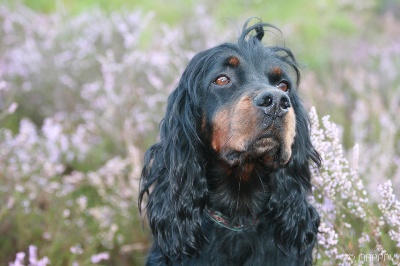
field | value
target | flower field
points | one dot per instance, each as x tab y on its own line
80	101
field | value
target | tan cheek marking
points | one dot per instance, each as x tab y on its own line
290	129
244	122
220	133
232	128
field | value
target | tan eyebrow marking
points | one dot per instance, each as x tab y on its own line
277	71
233	61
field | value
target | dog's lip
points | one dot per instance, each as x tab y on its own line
261	144
265	142
266	133
257	148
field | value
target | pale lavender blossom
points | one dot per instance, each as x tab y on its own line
19	259
33	258
13	106
100	257
76	249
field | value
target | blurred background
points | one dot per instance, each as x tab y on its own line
83	86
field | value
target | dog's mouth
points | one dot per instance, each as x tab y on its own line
248	136
267	149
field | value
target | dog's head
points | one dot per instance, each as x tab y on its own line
245	96
248	113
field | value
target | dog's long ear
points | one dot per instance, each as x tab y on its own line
174	169
296	220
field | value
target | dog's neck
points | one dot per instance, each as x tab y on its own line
240	193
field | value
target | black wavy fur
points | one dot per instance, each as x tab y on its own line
181	179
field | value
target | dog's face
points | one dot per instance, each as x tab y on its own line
248	115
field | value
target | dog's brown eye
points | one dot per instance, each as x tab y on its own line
283	86
222	80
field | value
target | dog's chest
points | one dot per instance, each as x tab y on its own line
251	246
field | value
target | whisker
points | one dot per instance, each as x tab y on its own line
240	182
259	178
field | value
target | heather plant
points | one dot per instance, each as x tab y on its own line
33	259
353	229
80	100
94	65
72	214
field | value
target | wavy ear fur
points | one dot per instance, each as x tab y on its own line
296	219
174	169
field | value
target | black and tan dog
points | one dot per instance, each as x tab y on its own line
228	182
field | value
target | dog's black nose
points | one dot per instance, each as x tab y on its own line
273	102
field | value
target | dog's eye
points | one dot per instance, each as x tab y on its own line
283	86
222	80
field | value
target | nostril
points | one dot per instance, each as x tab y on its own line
268	101
265	100
284	103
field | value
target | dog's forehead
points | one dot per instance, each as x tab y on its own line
261	58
